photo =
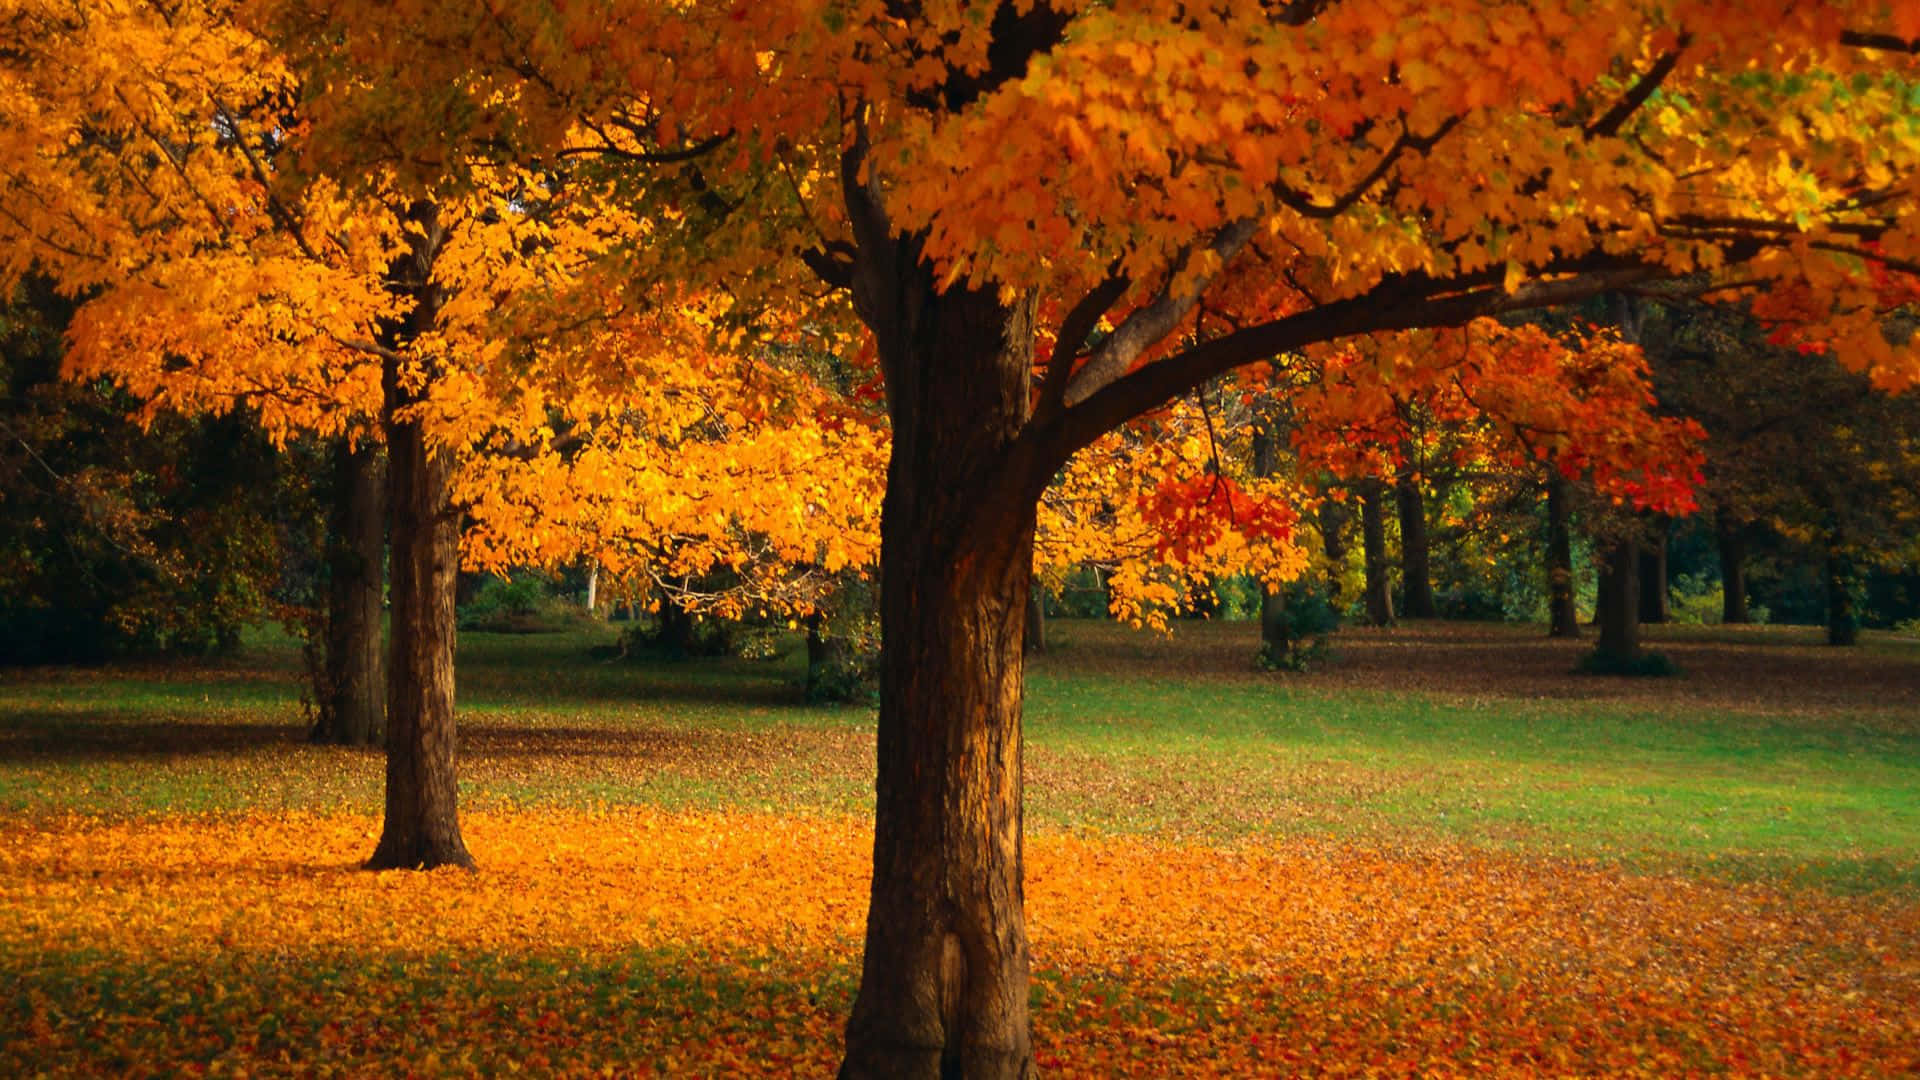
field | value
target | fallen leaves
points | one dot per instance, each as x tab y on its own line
644	940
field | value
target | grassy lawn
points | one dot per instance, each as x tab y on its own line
1478	735
1443	853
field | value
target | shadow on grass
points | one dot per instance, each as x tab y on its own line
103	735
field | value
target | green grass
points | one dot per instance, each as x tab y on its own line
1719	772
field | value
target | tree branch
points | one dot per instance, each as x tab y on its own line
1072	338
1642	89
1157	318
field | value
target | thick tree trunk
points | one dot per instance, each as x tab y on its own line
353	701
1843	622
1373	537
1731	536
1563	616
422	826
1416	576
944	977
1619	604
1653	575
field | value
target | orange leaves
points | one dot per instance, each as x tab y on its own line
727	941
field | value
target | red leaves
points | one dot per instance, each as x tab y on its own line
1191	514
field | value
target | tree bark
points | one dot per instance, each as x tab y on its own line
1731	536
593	588
1653	575
1843	622
422	826
352	701
1563	615
1416	576
1334	518
944	976
1373	537
1619	604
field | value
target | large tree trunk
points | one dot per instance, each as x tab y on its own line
1731	536
1563	616
353	706
1373	538
1653	574
422	826
1619	604
1416	575
944	977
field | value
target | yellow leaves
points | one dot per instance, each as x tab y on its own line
1310	955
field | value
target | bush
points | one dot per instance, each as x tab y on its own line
522	605
1309	621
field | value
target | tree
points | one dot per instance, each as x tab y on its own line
153	169
1285	177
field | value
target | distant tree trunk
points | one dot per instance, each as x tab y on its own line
1333	538
1373	536
1275	640
1653	574
1731	536
352	703
1843	622
1619	604
1416	576
829	661
1563	615
422	826
1036	623
593	587
675	635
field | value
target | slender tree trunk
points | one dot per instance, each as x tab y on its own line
1653	574
1373	536
1416	575
944	976
1334	518
675	636
1843	622
353	705
1036	623
1563	616
1731	536
830	663
1275	640
1619	604
593	588
422	826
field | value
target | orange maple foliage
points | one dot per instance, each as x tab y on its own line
1515	396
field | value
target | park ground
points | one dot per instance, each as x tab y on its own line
1445	853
